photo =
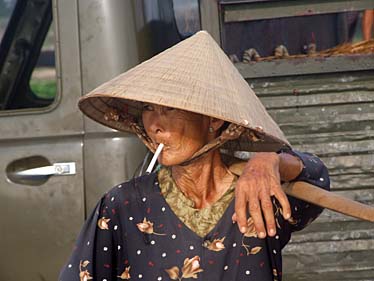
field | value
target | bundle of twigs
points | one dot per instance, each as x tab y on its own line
362	47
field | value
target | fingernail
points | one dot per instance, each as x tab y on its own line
243	229
271	232
287	216
262	235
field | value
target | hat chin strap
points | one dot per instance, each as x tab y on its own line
233	131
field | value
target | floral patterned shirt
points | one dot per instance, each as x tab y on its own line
133	234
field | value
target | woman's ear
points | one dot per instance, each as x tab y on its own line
215	124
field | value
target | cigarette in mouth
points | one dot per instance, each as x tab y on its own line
154	158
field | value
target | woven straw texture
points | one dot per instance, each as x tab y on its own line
194	75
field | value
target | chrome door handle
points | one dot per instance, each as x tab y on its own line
57	169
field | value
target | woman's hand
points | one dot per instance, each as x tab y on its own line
259	181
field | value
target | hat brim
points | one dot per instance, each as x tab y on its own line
98	105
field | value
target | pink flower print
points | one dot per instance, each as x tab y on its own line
216	245
84	275
125	274
147	227
190	269
103	223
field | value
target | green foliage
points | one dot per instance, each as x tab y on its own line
44	89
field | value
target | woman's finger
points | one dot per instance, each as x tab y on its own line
267	210
256	214
241	212
283	200
233	218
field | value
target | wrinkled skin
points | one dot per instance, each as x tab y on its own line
183	133
260	180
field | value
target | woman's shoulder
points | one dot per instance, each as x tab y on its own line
129	190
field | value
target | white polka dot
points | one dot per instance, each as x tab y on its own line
144	199
153	242
105	279
247	272
191	247
163	255
105	249
69	266
119	247
115	227
120	186
138	252
296	208
274	251
159	278
131	218
277	237
234	245
140	276
163	209
173	236
112	199
88	243
321	179
226	267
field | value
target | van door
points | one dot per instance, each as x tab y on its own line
41	173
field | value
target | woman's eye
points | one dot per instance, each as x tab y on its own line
147	107
169	108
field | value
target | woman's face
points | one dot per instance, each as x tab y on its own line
182	132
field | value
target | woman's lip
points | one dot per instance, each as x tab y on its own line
158	143
165	148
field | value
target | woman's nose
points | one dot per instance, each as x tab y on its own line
155	122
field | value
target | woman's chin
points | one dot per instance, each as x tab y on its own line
166	161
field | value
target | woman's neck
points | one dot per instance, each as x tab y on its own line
204	180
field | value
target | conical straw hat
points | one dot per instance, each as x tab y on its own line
194	75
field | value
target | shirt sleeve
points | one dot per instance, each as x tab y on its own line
302	213
315	173
96	253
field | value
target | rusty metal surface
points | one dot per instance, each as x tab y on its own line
331	115
306	66
267	10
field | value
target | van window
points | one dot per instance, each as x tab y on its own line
43	78
6	9
187	17
27	56
164	23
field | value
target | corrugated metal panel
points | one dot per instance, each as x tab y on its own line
333	117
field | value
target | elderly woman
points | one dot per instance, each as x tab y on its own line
176	223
